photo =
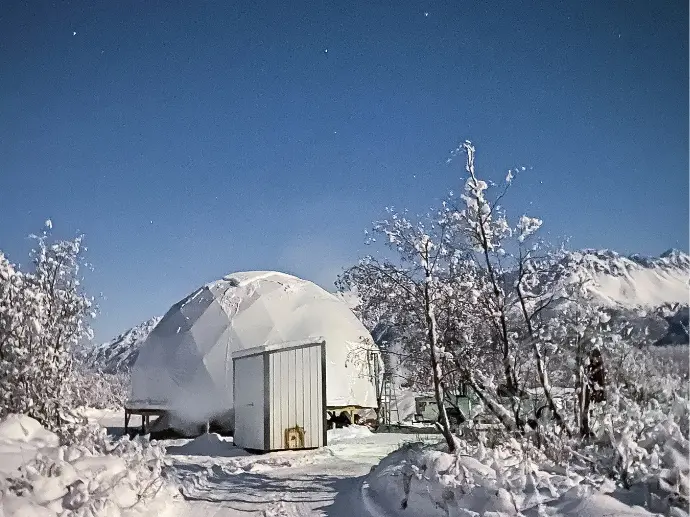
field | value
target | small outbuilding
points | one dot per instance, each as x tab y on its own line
280	396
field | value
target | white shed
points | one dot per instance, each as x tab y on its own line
280	396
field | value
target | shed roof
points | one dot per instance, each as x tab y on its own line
263	349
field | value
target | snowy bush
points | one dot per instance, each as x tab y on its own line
512	480
474	481
88	475
96	389
43	314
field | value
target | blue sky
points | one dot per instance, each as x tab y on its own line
192	139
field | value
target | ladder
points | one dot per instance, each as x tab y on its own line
389	401
386	395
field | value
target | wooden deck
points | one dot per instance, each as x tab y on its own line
145	409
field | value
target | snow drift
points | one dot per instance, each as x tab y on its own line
95	475
20	438
185	363
504	481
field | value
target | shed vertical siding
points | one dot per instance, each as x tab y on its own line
316	406
280	389
298	384
321	385
296	395
276	374
310	436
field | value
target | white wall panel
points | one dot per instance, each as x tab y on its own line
294	388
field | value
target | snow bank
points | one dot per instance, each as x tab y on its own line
21	428
20	438
427	482
103	417
345	434
94	476
587	503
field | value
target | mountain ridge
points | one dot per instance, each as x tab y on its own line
119	354
635	281
626	281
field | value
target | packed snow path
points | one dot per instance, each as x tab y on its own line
219	480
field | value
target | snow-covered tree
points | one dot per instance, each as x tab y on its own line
44	312
480	300
519	285
420	293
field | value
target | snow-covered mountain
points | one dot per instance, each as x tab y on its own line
119	354
635	281
652	292
627	282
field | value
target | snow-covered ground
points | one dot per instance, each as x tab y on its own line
359	473
207	476
20	440
86	475
424	481
217	479
111	419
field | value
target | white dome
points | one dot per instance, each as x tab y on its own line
185	363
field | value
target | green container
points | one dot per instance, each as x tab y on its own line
426	409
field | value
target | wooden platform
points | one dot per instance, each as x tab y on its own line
146	409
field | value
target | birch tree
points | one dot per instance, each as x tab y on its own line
522	281
415	289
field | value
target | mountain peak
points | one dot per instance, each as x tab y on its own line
675	255
118	355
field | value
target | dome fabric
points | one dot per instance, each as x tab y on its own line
185	363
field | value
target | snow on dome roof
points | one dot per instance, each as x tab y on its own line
246	277
186	362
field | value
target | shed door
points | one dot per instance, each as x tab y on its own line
249	402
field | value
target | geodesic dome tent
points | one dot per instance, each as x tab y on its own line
185	364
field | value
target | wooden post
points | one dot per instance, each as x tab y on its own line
127	417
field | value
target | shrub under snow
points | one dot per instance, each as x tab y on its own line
512	480
89	475
98	390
